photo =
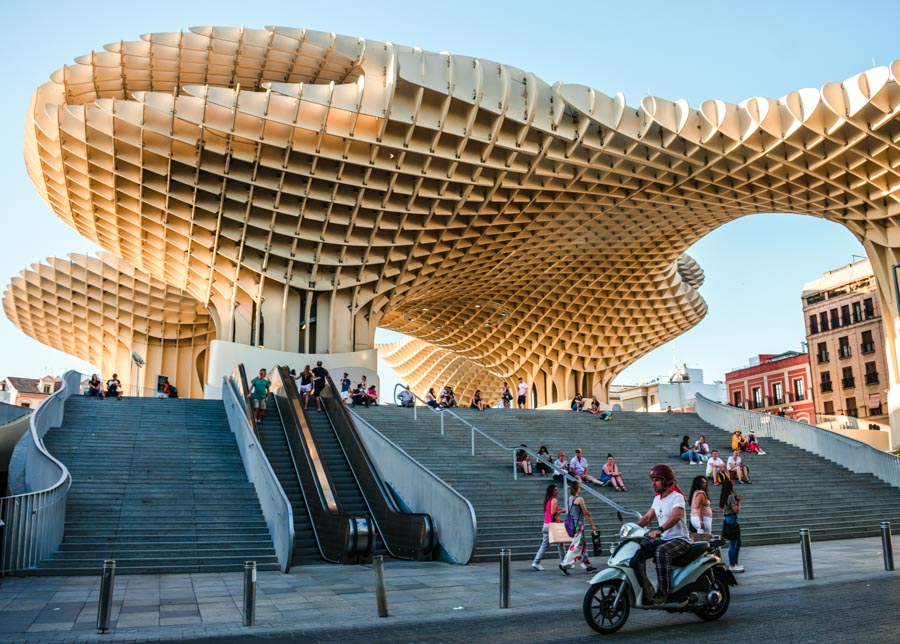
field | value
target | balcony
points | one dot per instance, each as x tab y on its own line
872	378
867	347
825	387
848	383
822	356
844	351
777	401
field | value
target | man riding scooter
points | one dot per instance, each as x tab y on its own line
672	540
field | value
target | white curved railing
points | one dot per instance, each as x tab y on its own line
35	519
848	452
276	507
423	491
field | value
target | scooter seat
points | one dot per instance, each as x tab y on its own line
697	550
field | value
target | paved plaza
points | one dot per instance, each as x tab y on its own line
312	600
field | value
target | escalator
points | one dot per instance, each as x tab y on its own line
322	529
404	535
274	444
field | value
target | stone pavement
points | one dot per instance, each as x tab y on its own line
312	600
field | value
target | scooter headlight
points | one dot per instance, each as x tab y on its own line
628	530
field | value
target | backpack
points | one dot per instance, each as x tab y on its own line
570	521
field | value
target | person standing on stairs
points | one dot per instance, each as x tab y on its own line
319	376
522	389
259	391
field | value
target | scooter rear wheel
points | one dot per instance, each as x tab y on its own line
598	607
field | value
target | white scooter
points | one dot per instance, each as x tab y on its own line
700	584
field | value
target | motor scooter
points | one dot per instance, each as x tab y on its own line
700	583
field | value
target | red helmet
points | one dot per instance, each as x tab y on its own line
664	472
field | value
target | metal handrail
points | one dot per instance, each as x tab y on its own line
405	535
843	450
473	430
420	488
340	537
35	520
276	507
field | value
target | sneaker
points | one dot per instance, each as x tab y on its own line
537	566
716	483
564	570
736	568
659	598
591	569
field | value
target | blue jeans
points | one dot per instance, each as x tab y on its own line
693	457
734	545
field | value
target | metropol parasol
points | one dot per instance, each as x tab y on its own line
261	193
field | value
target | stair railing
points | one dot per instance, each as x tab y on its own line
276	507
442	411
455	526
341	538
843	450
35	519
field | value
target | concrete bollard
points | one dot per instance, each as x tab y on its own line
249	593
806	552
886	546
505	559
380	590
107	584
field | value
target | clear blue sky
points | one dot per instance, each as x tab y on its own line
755	267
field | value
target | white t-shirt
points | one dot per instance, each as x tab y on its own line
734	464
523	388
578	465
663	508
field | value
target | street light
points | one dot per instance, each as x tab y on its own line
138	363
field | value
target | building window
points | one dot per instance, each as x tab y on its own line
851	407
826	381
847	379
828	408
46	389
835	319
738	399
844	347
871	374
757	397
813	324
857	312
822	352
869	308
25	404
875	408
823	321
799	393
868	344
845	315
777	394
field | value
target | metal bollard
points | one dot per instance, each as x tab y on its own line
249	593
886	546
107	583
380	590
505	558
806	551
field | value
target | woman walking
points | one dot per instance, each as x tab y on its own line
730	502
551	515
578	551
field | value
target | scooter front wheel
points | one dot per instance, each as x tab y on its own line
606	606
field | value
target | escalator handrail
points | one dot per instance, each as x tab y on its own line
245	394
391	522
338	536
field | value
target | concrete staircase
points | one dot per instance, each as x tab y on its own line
157	485
791	488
